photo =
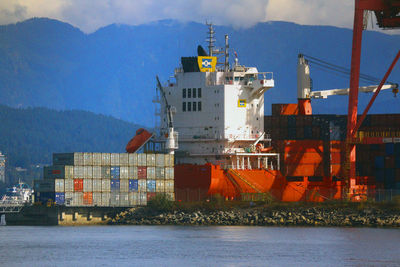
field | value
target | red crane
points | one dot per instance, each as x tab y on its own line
387	13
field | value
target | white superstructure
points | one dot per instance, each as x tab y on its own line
219	114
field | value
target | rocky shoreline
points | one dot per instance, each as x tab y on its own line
308	216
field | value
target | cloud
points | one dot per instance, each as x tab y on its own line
90	15
313	12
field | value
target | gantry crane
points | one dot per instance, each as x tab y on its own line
387	13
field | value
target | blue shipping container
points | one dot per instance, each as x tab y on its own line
115	184
133	185
397	163
45	196
389	148
379	162
114	172
151	185
60	198
380	175
397	149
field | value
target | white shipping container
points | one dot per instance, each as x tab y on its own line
124	185
142	184
124	200
124	159
142	199
105	172
88	159
133	198
68	198
96	199
115	159
59	185
151	159
87	185
77	199
69	185
124	172
169	186
169	160
169	173
132	159
132	172
105	185
105	199
115	199
151	172
88	172
97	172
79	172
141	159
160	158
96	159
97	185
160	173
160	186
105	159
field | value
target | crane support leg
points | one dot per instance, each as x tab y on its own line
360	121
353	95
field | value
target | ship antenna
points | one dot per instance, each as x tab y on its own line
210	39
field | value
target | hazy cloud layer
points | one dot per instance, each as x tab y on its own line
89	15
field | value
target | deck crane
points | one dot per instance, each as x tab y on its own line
304	87
387	13
171	143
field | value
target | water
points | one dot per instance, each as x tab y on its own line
197	246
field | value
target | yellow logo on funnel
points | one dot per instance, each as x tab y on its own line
207	64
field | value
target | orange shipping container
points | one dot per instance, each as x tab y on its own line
303	146
78	185
87	198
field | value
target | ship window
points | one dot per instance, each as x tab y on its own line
294	178
189	106
236	78
198	92
199	106
184	106
194	92
241	78
189	93
315	178
184	92
194	106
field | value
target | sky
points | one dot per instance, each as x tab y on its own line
89	15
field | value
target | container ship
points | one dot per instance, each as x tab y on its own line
211	117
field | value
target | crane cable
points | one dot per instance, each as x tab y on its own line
326	65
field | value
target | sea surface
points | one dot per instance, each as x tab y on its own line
197	246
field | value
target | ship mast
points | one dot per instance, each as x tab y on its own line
217	52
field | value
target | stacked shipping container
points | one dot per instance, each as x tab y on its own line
106	179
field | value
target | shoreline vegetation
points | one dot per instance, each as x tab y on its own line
161	211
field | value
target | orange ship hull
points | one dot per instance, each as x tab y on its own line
199	182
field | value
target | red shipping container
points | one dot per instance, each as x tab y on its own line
150	195
78	185
87	198
142	172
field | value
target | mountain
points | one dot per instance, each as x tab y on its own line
29	137
112	71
